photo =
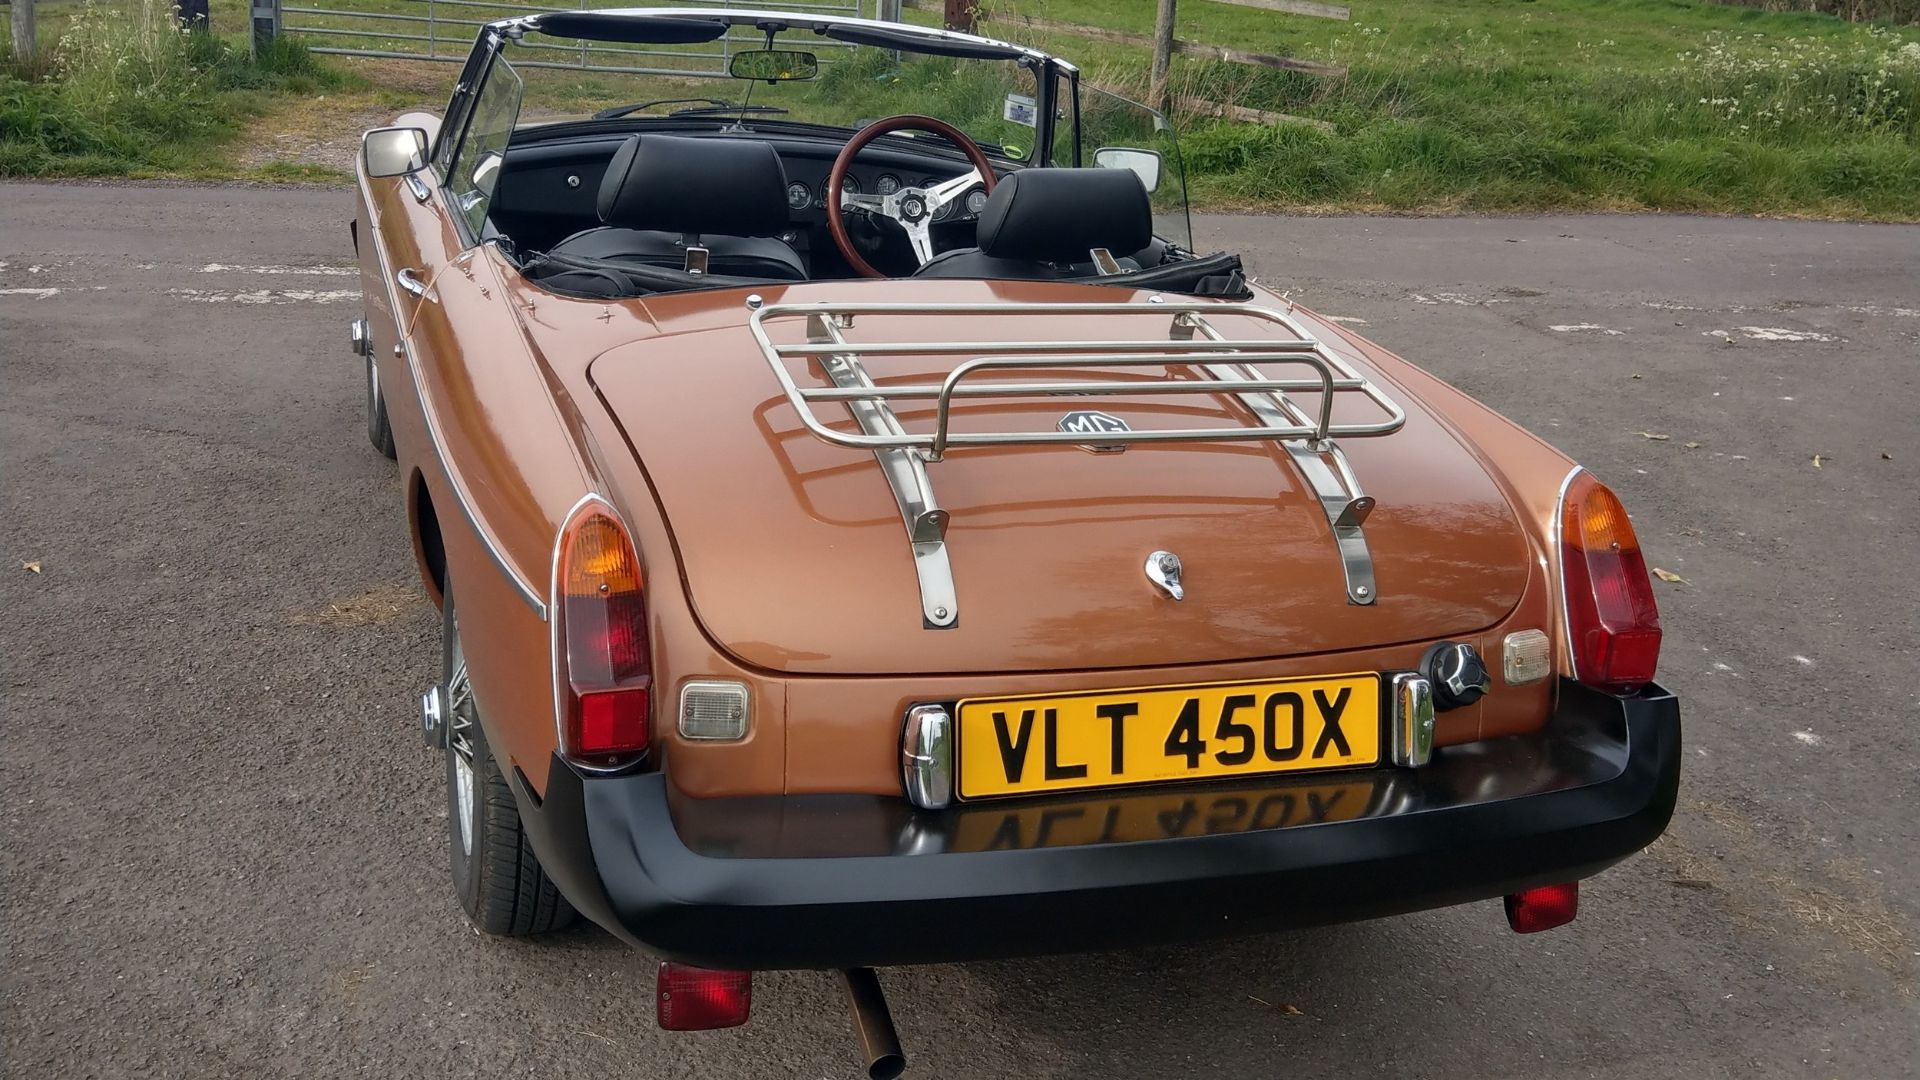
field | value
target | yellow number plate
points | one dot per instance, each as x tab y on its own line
1023	746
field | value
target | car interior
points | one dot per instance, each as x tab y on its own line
611	215
619	204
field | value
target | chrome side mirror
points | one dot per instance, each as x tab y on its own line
1144	163
393	151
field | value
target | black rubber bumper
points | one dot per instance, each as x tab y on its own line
846	881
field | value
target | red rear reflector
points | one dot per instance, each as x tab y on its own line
1613	625
701	999
1544	908
612	722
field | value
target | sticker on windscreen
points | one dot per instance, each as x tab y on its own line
1021	110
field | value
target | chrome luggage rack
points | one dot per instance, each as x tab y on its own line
1220	365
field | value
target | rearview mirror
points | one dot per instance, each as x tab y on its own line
1144	163
774	65
393	151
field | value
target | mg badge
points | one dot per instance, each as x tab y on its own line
1093	422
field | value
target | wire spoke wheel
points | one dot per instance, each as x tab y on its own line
460	724
499	879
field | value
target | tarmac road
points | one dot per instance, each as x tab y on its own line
224	847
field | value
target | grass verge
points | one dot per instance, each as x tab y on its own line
120	91
1447	105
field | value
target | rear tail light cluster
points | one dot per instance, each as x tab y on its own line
1613	626
603	671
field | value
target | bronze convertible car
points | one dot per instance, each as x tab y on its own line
870	541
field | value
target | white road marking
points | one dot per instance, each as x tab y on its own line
1807	737
1770	333
1807	660
1898	313
267	296
1348	319
37	294
1584	328
1460	299
303	271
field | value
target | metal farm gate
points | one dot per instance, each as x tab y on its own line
445	29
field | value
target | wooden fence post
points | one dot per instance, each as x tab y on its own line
960	15
1158	94
23	42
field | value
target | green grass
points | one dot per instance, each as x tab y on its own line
1517	105
1447	105
118	91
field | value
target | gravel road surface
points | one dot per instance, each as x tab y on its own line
224	847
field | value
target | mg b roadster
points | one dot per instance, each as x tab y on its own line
872	539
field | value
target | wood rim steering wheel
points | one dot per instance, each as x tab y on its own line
912	207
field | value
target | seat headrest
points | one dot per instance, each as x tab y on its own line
728	187
1059	215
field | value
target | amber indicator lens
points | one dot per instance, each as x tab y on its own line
606	672
1613	623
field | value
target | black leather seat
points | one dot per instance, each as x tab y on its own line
1043	224
664	193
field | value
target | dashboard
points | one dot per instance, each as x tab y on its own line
809	194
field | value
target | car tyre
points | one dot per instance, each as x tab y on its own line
379	431
501	884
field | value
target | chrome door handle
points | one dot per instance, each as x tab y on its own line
409	279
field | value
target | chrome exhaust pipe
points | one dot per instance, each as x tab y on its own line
873	1024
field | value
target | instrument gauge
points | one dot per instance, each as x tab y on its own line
798	196
887	184
850	184
976	201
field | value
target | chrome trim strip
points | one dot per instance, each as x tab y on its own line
1412	697
460	494
926	757
1557	556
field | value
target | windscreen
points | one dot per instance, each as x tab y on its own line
993	101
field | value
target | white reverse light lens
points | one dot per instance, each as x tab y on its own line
1526	657
713	710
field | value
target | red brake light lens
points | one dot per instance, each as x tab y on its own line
1613	625
1543	908
700	999
604	677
